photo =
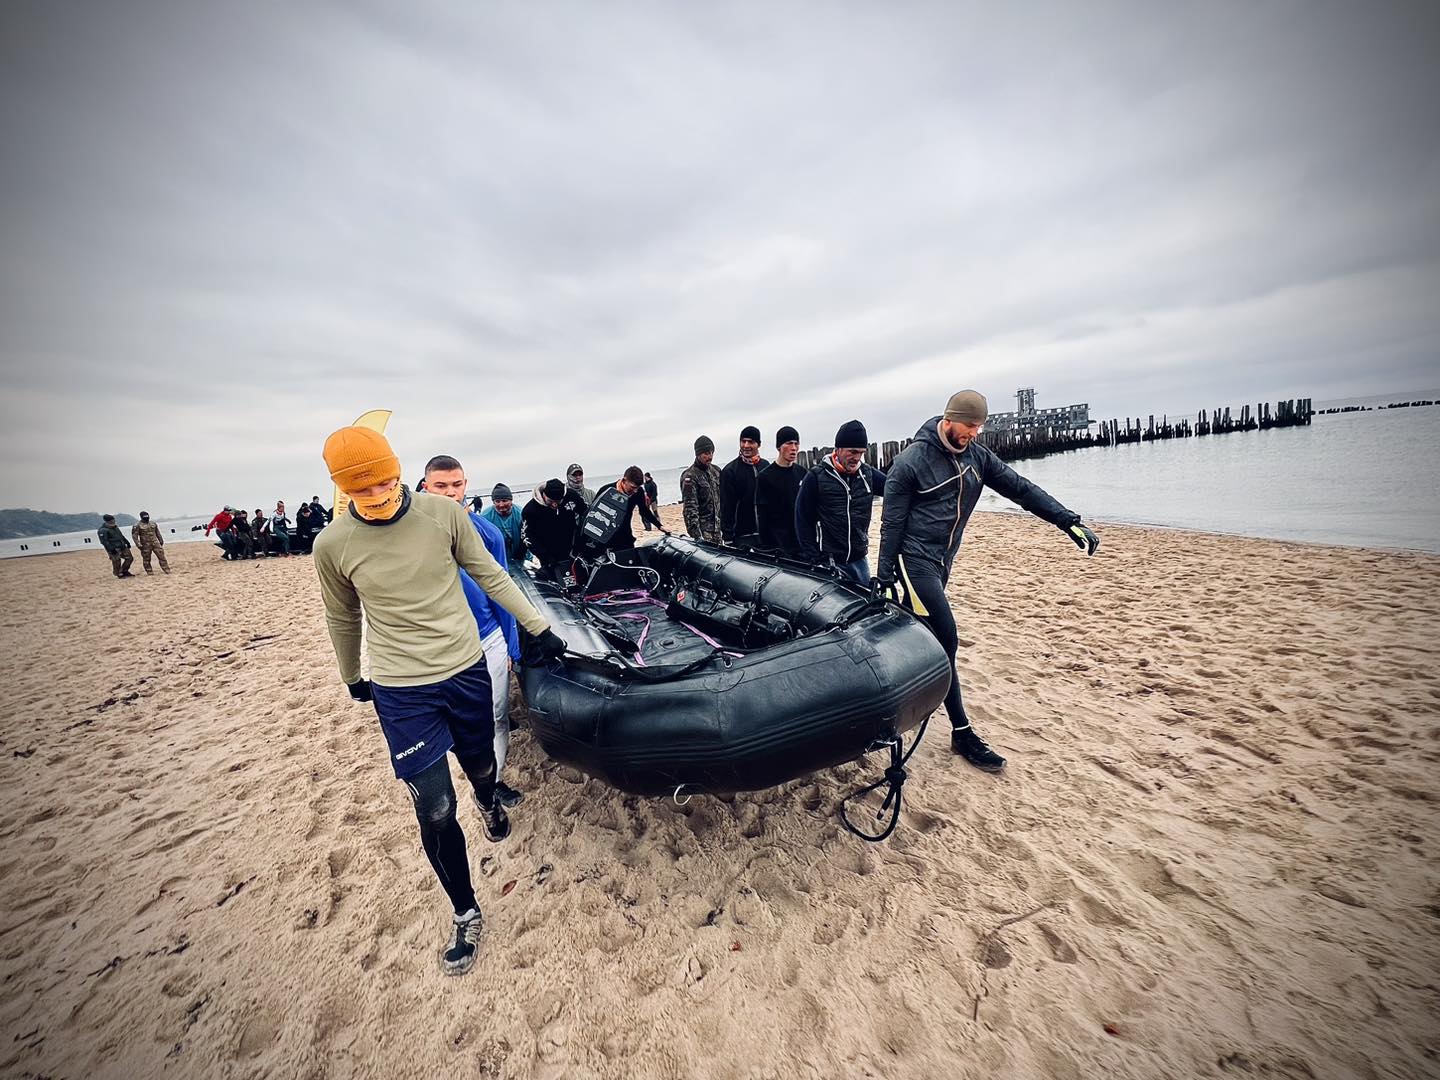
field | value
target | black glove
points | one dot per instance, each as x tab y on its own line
360	691
883	585
1084	539
551	644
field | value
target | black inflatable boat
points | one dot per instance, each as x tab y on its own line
693	668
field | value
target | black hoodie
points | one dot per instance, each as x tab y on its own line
931	490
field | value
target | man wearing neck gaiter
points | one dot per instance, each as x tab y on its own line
931	488
397	555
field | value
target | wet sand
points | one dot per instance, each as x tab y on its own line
1213	853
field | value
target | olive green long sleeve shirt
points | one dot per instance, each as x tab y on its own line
402	574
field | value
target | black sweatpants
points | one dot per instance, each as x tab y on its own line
925	578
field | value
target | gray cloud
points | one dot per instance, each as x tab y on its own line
543	233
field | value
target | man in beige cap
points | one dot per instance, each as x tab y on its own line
930	491
396	558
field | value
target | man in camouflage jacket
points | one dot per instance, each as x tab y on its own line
146	535
700	492
116	546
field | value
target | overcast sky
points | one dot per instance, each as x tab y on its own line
542	232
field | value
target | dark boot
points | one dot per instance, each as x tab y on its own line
974	749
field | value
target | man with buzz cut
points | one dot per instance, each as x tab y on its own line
392	558
931	489
498	637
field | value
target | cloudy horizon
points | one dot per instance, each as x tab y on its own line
545	233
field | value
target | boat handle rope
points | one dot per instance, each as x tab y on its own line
895	776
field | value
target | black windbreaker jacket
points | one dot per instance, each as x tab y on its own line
930	492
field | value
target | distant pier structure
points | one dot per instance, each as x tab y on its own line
1028	418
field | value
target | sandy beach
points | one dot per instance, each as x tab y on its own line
1213	852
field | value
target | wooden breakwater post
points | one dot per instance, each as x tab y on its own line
1016	444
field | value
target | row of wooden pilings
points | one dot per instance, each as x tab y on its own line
1013	444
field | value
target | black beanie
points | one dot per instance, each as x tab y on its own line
851	436
784	435
704	445
751	432
500	491
554	489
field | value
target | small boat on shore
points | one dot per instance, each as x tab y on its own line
693	668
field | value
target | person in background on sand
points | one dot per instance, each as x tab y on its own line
244	539
394	560
221	523
738	524
834	504
931	490
116	546
775	490
148	539
549	523
609	523
280	529
652	495
260	533
503	515
445	476
304	529
700	493
575	481
477	504
317	508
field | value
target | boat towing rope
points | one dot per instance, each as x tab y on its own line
895	776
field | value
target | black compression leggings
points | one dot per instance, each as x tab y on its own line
930	591
440	832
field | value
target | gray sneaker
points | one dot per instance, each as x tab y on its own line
496	821
460	956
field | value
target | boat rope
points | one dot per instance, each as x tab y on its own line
895	776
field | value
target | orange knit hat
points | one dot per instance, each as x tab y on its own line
359	458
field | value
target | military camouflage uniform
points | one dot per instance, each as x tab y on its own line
146	535
700	491
117	547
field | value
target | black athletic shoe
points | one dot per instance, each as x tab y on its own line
507	795
497	822
460	956
973	749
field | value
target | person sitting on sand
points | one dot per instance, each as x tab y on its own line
930	490
393	559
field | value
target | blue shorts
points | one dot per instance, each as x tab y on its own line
421	723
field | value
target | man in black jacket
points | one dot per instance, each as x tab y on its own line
739	526
833	506
775	491
548	525
932	487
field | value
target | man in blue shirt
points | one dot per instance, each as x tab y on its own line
503	515
444	476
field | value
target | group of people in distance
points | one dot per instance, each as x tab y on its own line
440	610
244	537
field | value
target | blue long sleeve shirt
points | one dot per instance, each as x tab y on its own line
490	616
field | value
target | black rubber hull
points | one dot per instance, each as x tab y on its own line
753	722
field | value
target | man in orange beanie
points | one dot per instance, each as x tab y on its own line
397	555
